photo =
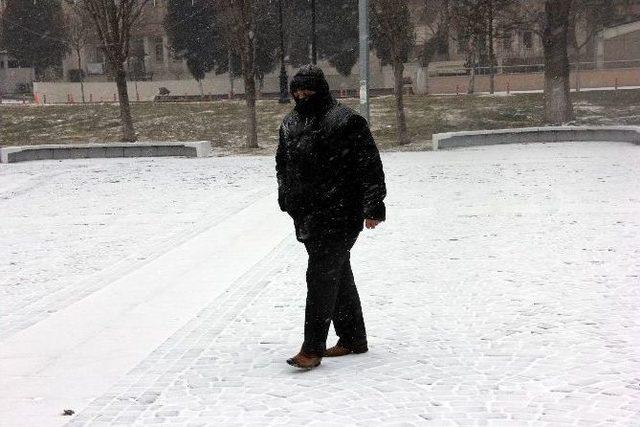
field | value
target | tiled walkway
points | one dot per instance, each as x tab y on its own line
504	289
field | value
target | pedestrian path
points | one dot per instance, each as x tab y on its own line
213	361
461	351
68	228
492	296
77	353
503	290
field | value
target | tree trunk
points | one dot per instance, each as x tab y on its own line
577	50
470	54
260	86
82	89
401	121
128	133
201	89
558	108
492	54
492	79
231	79
249	73
472	76
80	75
250	95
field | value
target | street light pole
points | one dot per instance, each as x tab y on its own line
363	12
284	90
314	41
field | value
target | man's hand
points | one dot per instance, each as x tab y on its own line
371	223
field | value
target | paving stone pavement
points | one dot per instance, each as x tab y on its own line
109	217
503	290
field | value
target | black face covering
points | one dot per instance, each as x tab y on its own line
310	77
315	104
304	106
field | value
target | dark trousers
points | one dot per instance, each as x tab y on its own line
332	295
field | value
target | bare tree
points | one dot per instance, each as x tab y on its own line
496	24
468	28
239	20
79	32
394	38
551	21
587	18
557	96
476	25
113	21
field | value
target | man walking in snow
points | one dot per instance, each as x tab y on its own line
331	182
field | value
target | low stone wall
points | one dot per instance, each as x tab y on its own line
66	92
534	81
537	134
213	88
108	150
218	87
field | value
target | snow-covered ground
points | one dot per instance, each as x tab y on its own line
69	228
503	289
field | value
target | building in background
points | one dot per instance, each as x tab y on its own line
518	50
150	55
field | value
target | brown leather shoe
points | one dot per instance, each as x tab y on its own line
338	350
304	361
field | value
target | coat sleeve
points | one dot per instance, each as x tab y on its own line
368	168
281	166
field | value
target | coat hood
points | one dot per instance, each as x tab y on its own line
311	77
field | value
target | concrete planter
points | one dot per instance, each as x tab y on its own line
537	134
106	150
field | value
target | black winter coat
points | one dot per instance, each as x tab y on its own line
330	176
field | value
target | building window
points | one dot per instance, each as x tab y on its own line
527	39
159	50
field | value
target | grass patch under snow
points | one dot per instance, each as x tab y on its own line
223	122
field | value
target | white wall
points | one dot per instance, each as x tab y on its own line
10	78
59	92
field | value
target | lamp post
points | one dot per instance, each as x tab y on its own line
284	90
314	41
363	12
